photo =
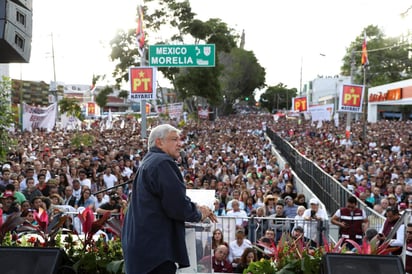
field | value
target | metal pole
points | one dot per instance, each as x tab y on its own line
365	102
407	214
301	68
143	132
54	64
54	88
348	114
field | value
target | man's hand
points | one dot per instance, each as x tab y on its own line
207	213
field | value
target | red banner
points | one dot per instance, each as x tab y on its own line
300	104
203	112
143	83
351	98
91	109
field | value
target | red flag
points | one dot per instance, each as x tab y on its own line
364	59
139	30
42	219
86	218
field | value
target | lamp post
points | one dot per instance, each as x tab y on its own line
53	84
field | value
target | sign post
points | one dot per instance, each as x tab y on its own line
142	87
182	55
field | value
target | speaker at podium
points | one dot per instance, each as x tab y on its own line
16	21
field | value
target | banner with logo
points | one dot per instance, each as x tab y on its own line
203	112
175	111
70	122
142	83
39	117
321	112
351	98
91	109
300	104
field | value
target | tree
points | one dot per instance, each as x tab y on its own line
101	97
277	97
241	76
388	58
71	107
7	118
124	94
181	25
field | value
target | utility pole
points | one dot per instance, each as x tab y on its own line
352	70
301	68
53	85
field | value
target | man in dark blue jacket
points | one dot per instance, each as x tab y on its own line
153	236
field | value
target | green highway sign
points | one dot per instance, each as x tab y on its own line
182	55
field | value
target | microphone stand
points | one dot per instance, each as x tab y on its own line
110	188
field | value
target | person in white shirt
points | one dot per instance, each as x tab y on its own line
235	196
240	214
84	181
77	189
101	198
236	247
314	216
126	171
109	178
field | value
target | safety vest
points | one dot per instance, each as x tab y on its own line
353	220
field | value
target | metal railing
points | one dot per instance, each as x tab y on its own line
329	191
254	228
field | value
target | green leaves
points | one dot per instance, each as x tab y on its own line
389	59
71	107
7	117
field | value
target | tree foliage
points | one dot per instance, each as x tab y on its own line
183	28
71	107
101	97
124	94
7	117
242	74
277	97
388	58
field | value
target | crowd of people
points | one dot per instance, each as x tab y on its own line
376	167
48	173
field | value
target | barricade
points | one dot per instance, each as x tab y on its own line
255	228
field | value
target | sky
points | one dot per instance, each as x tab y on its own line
293	40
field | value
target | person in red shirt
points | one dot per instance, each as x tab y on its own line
352	221
218	261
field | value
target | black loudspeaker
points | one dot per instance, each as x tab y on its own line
362	264
30	260
16	21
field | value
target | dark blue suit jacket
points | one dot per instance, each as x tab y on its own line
154	225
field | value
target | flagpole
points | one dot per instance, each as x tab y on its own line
365	63
143	131
365	98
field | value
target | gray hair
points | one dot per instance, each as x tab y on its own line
160	132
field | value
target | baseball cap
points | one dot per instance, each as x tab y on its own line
7	194
313	201
391	196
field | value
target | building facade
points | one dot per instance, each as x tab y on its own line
390	101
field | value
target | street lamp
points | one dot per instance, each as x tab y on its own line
53	84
